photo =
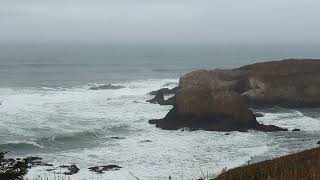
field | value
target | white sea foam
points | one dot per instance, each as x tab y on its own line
291	120
75	126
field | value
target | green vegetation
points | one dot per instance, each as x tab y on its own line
11	168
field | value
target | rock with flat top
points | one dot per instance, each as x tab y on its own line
287	83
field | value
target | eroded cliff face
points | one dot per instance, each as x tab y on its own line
201	102
291	83
219	100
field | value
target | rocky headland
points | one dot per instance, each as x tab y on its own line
220	99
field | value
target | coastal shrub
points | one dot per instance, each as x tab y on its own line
12	169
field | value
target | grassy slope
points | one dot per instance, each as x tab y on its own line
300	166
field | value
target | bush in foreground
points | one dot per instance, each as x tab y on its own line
12	169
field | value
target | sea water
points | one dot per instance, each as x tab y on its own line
47	110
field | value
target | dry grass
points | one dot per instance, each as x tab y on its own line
300	166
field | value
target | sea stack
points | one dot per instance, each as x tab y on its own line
220	99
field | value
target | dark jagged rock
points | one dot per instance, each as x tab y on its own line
72	169
170	101
173	90
258	115
318	142
165	91
227	134
159	96
107	86
209	122
102	169
162	90
159	99
296	130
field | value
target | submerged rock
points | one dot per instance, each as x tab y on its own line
102	169
145	141
116	137
72	169
318	142
107	86
296	130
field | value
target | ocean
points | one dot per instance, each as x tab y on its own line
47	110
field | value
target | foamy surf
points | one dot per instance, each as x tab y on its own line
110	126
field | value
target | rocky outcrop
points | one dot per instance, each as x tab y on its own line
219	100
197	109
159	96
287	83
162	91
165	91
159	99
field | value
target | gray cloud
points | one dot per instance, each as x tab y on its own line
165	21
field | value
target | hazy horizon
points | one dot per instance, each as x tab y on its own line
173	22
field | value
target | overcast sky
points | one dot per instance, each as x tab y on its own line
160	21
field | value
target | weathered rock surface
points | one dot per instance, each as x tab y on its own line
210	122
287	83
219	100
